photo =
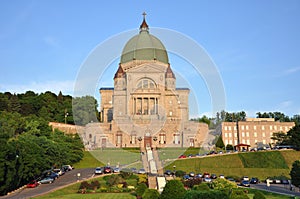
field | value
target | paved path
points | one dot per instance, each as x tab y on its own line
277	188
65	180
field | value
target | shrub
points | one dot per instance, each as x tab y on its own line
179	173
174	189
113	180
201	187
151	194
126	174
238	194
259	195
95	184
195	194
190	183
141	188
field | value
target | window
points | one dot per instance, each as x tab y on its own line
234	128
230	135
119	139
275	127
162	138
230	142
248	142
254	127
225	128
235	135
229	128
146	83
262	127
247	127
264	134
133	139
271	128
255	134
226	135
176	139
243	127
243	134
247	134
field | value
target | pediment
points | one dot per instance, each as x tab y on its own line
148	68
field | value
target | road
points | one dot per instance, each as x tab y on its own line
277	188
65	180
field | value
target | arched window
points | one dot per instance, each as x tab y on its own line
146	83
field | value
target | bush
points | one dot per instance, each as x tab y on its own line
195	194
190	183
174	189
141	188
95	184
151	194
201	187
238	194
259	195
179	173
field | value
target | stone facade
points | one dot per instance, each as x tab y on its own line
144	108
253	131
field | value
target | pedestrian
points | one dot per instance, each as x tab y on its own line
268	184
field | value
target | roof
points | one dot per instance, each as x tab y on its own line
144	46
106	89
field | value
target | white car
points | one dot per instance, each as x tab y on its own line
98	171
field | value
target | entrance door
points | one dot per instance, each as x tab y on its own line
147	141
103	143
192	142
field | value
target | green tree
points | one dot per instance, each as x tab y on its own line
174	189
85	110
295	173
194	194
220	143
280	138
294	136
140	189
150	194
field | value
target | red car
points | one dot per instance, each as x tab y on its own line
182	156
32	184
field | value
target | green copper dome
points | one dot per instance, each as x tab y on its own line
144	46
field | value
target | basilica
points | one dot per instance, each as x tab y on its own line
144	108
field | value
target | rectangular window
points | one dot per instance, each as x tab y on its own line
229	128
247	127
225	128
176	139
263	134
262	127
271	128
242	127
230	135
255	134
235	135
243	134
133	139
247	134
162	138
226	135
254	127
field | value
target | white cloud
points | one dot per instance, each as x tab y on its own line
66	87
292	70
51	41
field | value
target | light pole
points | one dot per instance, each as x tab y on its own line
140	140
66	115
155	139
174	167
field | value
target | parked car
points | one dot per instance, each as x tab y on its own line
46	180
60	172
182	156
168	172
67	168
206	175
186	177
107	169
213	176
207	179
221	176
116	170
192	174
32	184
198	175
141	171
133	170
98	171
53	175
246	178
284	181
245	183
254	181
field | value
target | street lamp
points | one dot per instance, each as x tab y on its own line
140	140
66	115
155	139
174	167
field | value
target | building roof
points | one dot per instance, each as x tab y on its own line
144	46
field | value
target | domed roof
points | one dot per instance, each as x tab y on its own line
144	46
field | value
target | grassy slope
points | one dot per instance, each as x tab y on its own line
88	161
273	163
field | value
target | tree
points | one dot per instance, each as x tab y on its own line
174	189
280	138
85	110
295	173
194	194
294	136
220	143
151	194
140	189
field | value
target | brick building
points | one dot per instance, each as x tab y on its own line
253	131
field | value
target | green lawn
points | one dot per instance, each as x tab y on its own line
253	164
88	161
91	196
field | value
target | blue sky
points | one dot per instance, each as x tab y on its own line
254	44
